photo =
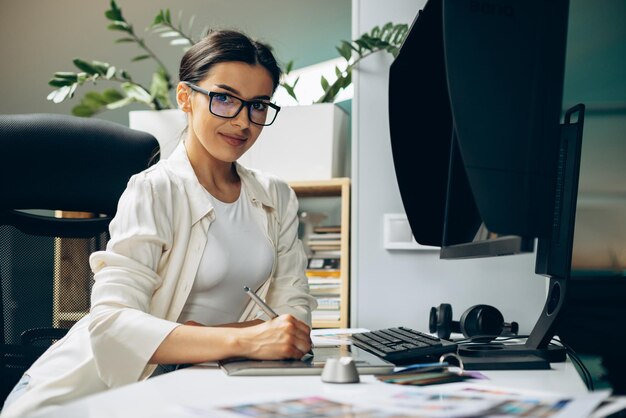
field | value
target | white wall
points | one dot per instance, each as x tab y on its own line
398	288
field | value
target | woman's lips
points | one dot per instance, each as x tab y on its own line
235	141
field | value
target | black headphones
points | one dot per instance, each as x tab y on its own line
479	320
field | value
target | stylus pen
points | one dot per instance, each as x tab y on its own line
260	302
269	312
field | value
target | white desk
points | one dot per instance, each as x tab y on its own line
198	386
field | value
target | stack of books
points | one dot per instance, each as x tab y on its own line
325	239
323	271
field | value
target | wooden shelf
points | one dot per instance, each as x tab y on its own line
340	188
72	274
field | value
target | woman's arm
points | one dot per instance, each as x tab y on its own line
230	324
289	290
281	338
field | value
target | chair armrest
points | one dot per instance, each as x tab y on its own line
30	336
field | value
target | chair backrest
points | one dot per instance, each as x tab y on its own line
49	164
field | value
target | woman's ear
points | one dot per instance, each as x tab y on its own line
183	97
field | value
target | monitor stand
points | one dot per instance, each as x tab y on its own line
554	256
499	356
536	353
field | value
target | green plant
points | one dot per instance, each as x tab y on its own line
156	96
388	38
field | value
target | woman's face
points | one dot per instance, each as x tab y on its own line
219	138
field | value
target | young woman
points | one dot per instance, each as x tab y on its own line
189	234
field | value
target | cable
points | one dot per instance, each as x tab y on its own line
576	358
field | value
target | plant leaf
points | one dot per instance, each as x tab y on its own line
101	67
180	41
362	44
140	57
85	66
387	31
124	74
348	79
120	26
57	96
96	97
290	89
345	52
110	73
158	19
66	75
169	34
120	103
400	32
324	83
159	89
93	102
111	95
122	40
289	67
82	111
59	82
82	77
136	92
114	13
73	88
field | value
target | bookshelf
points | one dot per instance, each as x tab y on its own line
72	276
327	243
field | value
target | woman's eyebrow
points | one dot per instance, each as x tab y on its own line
235	91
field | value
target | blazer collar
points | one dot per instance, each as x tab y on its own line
199	201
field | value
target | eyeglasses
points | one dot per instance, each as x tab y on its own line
225	105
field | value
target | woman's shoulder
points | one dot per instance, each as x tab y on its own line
157	178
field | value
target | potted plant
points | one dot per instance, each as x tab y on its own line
163	119
387	38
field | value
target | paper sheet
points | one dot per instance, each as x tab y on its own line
392	401
334	336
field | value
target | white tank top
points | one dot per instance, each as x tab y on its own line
237	254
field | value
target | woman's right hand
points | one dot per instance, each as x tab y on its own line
284	337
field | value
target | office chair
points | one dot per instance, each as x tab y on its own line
60	180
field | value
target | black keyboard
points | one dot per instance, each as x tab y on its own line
403	345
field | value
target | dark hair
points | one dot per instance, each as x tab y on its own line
226	46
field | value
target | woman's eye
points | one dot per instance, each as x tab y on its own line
224	98
260	106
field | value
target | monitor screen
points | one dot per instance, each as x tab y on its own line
483	163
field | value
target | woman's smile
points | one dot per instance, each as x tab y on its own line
233	139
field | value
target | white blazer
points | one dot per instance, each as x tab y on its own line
143	279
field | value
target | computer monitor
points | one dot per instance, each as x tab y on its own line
484	166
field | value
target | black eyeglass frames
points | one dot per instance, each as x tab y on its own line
225	105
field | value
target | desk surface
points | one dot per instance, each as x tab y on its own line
201	386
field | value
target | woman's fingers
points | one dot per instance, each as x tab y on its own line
284	337
301	336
